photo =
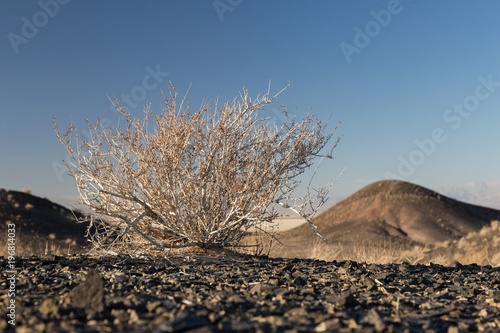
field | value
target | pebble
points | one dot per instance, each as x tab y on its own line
250	294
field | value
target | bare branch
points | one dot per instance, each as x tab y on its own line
132	224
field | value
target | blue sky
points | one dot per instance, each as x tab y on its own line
416	84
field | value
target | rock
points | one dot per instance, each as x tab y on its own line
204	296
49	309
183	322
373	318
89	294
299	282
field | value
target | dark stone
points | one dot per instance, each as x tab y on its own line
261	295
299	282
89	294
496	295
183	322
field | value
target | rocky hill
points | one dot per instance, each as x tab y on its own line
40	223
395	212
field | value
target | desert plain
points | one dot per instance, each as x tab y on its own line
398	258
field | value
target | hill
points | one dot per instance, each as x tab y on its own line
392	212
40	224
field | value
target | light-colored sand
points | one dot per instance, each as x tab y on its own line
289	222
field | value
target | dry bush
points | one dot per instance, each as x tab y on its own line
180	179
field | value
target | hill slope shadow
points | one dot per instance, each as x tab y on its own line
38	221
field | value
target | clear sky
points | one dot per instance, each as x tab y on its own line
416	84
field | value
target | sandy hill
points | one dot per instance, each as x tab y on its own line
396	212
40	222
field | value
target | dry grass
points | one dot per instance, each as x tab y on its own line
370	252
482	248
37	246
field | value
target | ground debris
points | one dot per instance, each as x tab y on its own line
85	294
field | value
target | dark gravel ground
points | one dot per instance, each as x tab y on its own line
208	294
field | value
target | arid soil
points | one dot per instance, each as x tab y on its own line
245	294
217	293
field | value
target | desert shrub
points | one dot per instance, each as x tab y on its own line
203	178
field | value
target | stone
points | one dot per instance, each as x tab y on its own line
203	296
89	294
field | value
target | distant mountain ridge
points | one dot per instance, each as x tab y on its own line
394	211
481	193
